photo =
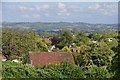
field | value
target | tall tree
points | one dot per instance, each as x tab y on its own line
66	38
17	42
81	39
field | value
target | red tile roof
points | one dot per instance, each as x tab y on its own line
42	58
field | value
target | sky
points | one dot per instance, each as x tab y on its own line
89	12
60	0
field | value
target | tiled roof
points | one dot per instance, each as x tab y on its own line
42	58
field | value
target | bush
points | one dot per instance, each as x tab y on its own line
61	70
18	70
98	73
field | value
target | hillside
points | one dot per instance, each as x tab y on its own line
56	26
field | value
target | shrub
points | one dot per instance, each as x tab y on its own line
98	73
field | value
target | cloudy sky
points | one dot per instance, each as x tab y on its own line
90	12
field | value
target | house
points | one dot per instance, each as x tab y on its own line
110	39
76	50
43	58
18	60
51	48
3	58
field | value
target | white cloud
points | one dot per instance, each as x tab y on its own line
36	15
76	8
61	5
63	14
38	7
23	8
25	16
105	8
45	7
97	6
31	8
68	14
32	15
47	15
62	10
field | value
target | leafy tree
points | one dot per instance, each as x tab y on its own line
75	31
113	43
98	54
103	36
81	39
46	34
55	40
16	42
66	38
95	36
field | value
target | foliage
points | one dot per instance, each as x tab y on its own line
76	58
46	34
66	38
81	39
102	36
60	70
95	60
75	31
66	49
116	61
17	42
17	70
98	73
98	54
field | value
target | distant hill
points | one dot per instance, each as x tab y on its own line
56	26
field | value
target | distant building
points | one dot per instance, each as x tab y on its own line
73	48
76	50
110	39
51	48
18	60
94	41
43	58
